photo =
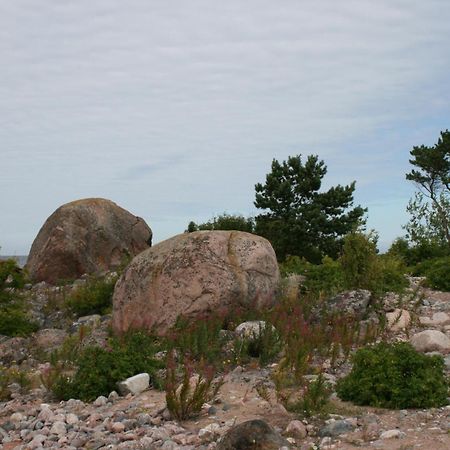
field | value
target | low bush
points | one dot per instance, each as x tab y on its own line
95	297
437	273
198	340
314	399
320	279
11	275
185	400
395	376
265	344
9	375
98	369
14	320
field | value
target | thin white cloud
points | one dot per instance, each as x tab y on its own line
160	104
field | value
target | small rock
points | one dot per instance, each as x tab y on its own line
335	428
392	434
251	329
255	434
134	385
117	427
100	401
398	320
431	340
113	396
72	419
209	432
58	428
296	429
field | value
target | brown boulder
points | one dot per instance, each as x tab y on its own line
193	275
86	236
252	435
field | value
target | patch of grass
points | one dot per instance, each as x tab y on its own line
95	297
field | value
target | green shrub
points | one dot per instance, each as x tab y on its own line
388	275
320	279
225	222
315	398
265	345
9	375
395	376
437	273
95	297
358	260
13	317
199	340
99	369
185	400
325	279
10	269
294	264
14	321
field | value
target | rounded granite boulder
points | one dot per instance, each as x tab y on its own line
195	275
86	236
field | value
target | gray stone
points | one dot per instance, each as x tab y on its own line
253	434
100	401
335	428
392	434
431	340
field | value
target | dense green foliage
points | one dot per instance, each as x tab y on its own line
358	260
436	271
225	222
13	318
94	297
358	267
395	376
430	208
320	279
99	369
299	219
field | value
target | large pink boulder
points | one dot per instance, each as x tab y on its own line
86	236
195	274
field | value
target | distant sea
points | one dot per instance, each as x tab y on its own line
21	259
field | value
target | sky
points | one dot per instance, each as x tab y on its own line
175	109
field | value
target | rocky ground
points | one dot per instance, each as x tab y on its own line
33	421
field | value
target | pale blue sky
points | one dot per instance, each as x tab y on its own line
175	109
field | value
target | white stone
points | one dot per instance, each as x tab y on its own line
398	320
134	385
392	434
251	329
430	341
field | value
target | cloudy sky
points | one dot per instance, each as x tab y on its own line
175	109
